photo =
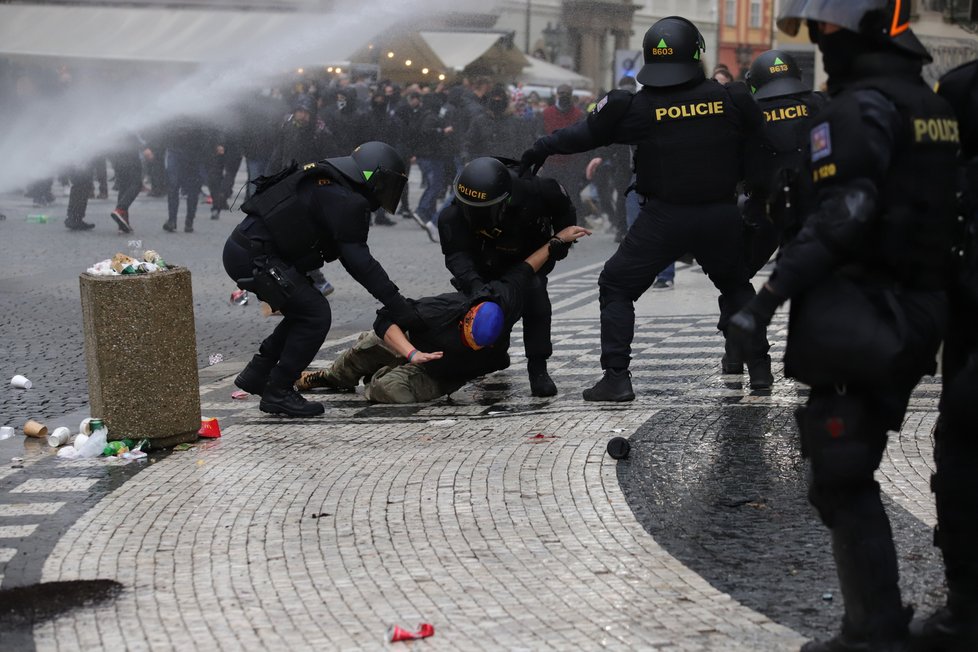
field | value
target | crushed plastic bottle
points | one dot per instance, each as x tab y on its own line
37	218
118	447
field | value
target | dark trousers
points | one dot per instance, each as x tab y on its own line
128	176
955	483
537	314
434	170
81	190
306	317
220	176
844	435
662	233
156	171
182	173
101	175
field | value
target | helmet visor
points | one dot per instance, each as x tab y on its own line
385	187
844	13
484	217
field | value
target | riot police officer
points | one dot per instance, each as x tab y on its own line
775	189
297	220
689	133
866	277
495	221
955	626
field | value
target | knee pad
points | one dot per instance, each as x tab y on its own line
844	445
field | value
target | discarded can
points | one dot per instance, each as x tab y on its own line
395	633
94	424
129	269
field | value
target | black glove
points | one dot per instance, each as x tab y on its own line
559	248
746	327
531	161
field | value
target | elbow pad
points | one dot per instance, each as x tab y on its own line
846	215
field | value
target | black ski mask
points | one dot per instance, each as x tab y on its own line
840	51
498	104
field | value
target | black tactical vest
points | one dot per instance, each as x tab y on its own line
917	198
778	157
693	152
278	204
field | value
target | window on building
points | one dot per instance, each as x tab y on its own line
755	13
730	12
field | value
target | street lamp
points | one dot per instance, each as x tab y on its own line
553	40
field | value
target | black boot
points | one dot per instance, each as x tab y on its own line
731	362
170	226
188	225
759	370
78	224
615	386
254	377
287	401
953	628
540	382
875	619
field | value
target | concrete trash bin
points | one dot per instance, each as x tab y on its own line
141	354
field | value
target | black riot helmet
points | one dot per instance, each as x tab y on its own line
775	74
482	189
880	21
672	49
377	168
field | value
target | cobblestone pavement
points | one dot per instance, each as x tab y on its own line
495	516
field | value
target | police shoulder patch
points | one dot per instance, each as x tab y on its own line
601	104
821	142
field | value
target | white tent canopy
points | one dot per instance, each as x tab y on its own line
544	73
458	49
188	36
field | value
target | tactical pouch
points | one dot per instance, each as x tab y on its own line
844	332
270	283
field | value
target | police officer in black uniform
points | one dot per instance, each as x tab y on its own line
866	277
297	220
775	190
689	133
955	626
496	220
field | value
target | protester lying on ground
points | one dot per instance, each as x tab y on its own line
462	337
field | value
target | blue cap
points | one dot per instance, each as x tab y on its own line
482	325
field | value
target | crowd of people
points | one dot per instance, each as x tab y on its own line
435	127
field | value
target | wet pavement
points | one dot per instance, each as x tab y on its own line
493	515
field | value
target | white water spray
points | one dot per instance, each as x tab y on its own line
89	119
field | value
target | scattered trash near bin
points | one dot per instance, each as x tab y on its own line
35	429
59	437
6	432
239	394
215	358
239	297
21	382
209	428
396	634
37	218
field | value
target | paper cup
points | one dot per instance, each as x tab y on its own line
34	429
85	427
21	382
59	437
6	432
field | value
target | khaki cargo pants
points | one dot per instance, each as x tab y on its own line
387	377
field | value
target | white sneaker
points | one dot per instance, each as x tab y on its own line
432	230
